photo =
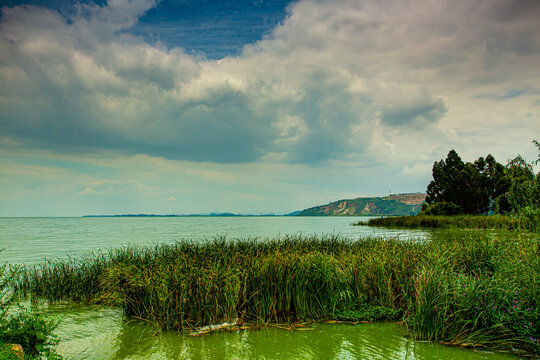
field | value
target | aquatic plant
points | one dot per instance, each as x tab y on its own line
20	328
457	288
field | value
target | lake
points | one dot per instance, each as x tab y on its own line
27	240
87	332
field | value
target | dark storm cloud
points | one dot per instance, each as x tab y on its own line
509	10
416	112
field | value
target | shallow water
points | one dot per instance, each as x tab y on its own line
88	333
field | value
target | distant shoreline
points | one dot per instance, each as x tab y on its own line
235	215
192	215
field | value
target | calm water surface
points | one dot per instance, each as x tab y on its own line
102	334
27	240
87	332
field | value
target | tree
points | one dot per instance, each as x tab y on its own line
445	184
488	183
471	188
524	190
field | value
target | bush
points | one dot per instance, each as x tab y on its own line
30	330
501	222
530	218
22	326
441	208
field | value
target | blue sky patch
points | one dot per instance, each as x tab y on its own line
213	28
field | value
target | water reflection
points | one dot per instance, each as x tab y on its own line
90	333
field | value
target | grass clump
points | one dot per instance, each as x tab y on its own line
463	288
497	222
369	313
482	292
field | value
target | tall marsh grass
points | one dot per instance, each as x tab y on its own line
463	288
497	222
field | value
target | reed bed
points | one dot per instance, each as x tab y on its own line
497	222
466	288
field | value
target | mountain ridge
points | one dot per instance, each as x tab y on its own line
396	204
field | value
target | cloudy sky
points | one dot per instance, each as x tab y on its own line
254	106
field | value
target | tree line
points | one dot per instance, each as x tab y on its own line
484	186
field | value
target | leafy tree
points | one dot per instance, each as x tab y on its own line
488	183
483	186
445	186
471	187
524	190
519	169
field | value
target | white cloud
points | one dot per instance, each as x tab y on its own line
86	191
387	68
342	91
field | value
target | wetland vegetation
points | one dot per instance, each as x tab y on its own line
23	333
464	288
480	222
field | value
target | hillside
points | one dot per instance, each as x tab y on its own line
401	204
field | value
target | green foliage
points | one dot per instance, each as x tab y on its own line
482	187
524	189
445	289
369	313
30	330
452	222
523	195
22	326
530	218
441	208
445	186
478	290
6	353
537	144
80	276
469	188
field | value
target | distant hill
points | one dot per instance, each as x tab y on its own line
401	204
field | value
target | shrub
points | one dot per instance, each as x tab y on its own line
22	326
30	330
441	208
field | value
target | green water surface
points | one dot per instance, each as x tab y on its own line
90	333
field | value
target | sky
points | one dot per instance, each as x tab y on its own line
178	107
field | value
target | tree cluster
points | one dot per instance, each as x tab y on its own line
482	187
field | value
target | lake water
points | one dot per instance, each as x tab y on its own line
87	332
27	240
103	334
